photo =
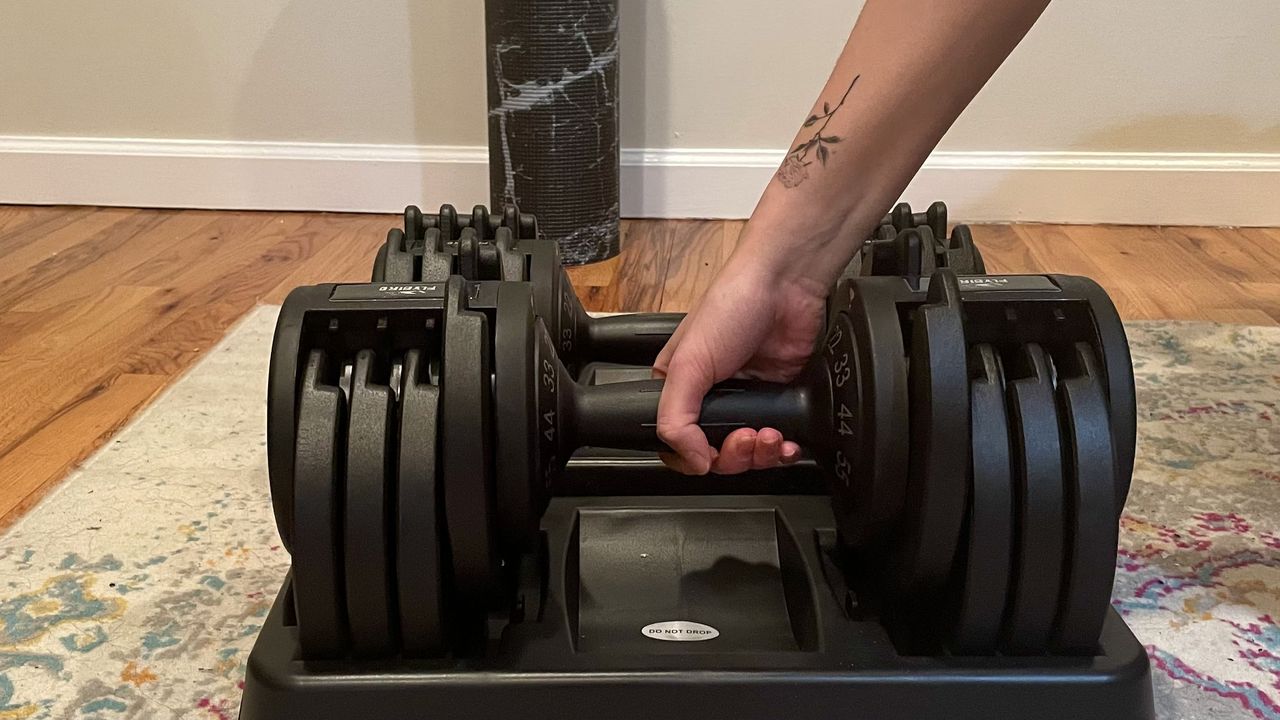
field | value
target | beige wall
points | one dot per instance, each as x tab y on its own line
1173	75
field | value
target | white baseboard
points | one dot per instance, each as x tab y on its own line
1075	187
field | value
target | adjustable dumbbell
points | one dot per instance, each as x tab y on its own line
917	252
858	410
432	247
513	252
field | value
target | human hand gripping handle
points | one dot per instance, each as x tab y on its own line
752	324
852	158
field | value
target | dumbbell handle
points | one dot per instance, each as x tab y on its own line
624	415
630	339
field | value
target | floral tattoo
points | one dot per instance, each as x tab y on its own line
795	168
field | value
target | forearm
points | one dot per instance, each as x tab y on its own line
908	70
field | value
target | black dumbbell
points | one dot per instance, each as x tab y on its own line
507	255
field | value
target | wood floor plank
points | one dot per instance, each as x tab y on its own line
699	249
1226	253
347	258
1004	250
31	468
113	255
198	249
211	302
38	224
13	217
636	284
47	240
71	351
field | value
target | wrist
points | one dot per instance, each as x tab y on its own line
802	238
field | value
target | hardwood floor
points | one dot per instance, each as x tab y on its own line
101	308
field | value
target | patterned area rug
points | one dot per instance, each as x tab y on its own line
137	588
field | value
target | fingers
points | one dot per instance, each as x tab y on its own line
746	449
737	454
768	451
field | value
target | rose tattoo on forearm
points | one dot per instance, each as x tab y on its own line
795	168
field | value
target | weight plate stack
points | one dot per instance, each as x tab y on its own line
366	542
1090	502
981	577
420	555
318	584
1039	502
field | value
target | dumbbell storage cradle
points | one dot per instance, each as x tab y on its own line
802	633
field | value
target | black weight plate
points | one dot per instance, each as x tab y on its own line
511	218
466	455
420	560
910	253
399	264
553	299
469	254
937	471
544	274
983	577
366	546
931	249
865	356
936	219
880	254
379	265
1092	533
480	222
512	261
317	555
902	217
521	492
414	227
437	261
962	243
1038	500
447	222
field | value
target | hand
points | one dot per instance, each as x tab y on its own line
751	324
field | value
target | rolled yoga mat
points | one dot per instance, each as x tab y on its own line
553	118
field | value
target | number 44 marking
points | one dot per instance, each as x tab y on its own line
843	417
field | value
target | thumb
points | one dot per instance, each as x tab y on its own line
687	382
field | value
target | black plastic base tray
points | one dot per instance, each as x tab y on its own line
749	566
